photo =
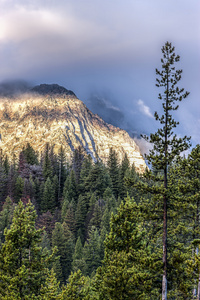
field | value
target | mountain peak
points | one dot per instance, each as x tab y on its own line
51	114
44	89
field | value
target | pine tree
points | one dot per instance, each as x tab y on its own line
105	221
48	199
166	145
77	288
117	281
70	245
30	155
6	165
78	263
127	263
184	238
64	207
70	187
55	184
113	169
77	161
80	217
57	268
47	165
91	252
45	242
85	170
50	289
191	189
62	172
103	234
58	240
123	168
62	238
108	193
97	180
6	216
132	189
96	216
23	265
69	218
38	187
3	184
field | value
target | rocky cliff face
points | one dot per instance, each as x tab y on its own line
50	113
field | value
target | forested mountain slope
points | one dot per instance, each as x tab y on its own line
51	114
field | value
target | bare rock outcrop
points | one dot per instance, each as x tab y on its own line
50	113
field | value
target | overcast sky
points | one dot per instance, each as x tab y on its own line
106	51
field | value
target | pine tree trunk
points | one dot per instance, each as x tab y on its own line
194	293
197	252
198	294
164	281
195	289
164	287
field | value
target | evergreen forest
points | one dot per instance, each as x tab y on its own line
82	229
86	230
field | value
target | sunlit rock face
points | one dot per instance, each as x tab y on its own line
50	113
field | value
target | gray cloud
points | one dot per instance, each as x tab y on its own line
101	105
144	109
74	32
13	87
103	45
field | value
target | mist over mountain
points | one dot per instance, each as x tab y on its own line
52	114
12	88
101	103
106	110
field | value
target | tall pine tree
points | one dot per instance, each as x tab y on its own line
166	145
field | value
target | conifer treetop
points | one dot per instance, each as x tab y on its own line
166	144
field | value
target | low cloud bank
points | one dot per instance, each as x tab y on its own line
12	88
